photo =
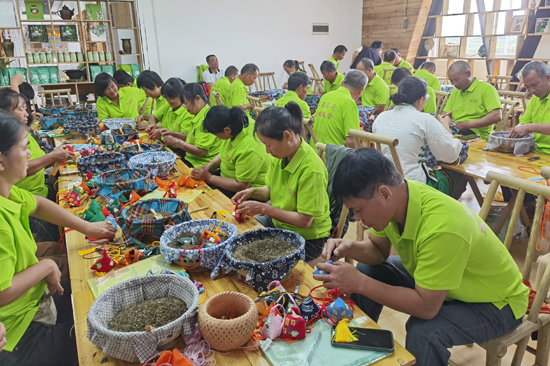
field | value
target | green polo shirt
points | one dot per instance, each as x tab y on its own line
430	106
379	70
336	114
291	96
36	183
244	158
429	78
328	87
376	92
17	253
538	111
336	63
404	63
236	95
130	99
446	246
201	139
160	102
177	121
474	103
221	86
301	186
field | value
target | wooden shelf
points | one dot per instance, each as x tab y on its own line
130	54
49	21
119	28
15	57
490	12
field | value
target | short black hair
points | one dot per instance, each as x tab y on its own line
410	90
400	74
27	90
150	80
173	88
377	44
220	117
9	100
340	49
297	79
231	70
208	58
272	122
361	172
102	82
389	56
395	50
328	66
122	77
10	132
295	63
192	90
249	69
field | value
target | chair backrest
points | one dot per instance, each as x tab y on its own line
378	141
255	86
442	99
217	97
500	82
443	80
314	71
52	94
302	66
391	90
255	102
317	87
542	192
514	95
265	79
508	107
308	124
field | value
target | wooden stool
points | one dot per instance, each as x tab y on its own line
52	94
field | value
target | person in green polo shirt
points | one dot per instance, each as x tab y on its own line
426	72
333	79
536	119
124	79
452	275
337	112
399	61
236	95
298	84
290	67
151	83
118	103
200	146
401	74
296	182
338	55
221	86
390	58
32	338
242	161
475	105
377	92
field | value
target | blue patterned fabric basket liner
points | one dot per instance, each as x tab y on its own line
116	123
260	275
211	255
141	180
270	93
166	161
90	163
133	150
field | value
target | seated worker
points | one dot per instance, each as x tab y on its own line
337	112
333	80
123	79
151	83
415	130
377	92
426	72
401	74
298	84
243	161
399	61
290	67
200	146
33	337
373	53
213	73
475	105
390	57
452	275
296	182
221	86
338	55
237	91
113	102
18	85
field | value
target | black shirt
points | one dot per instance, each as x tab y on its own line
368	52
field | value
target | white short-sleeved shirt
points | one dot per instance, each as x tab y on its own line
415	130
210	77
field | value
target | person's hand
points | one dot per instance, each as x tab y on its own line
241	196
100	230
61	154
171	140
142	126
520	131
139	118
156	133
17	80
446	122
336	247
285	86
341	275
251	208
37	115
201	173
462	125
53	280
3	340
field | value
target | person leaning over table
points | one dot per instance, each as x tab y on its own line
333	79
475	105
426	72
115	102
390	58
27	284
296	182
151	83
242	160
377	92
399	61
401	74
298	84
338	55
200	146
374	52
337	112
452	275
213	73
290	67
236	95
221	86
123	79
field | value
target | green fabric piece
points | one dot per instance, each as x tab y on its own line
94	207
202	68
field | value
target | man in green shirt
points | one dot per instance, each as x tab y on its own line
236	94
338	55
475	105
390	58
401	74
399	61
377	92
333	80
337	112
426	72
536	119
222	85
298	84
453	276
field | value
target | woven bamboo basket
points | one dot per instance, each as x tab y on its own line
227	334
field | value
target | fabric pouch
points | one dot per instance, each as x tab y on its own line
47	313
273	324
294	327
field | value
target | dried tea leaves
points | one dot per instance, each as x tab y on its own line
150	216
261	251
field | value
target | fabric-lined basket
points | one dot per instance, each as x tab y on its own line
132	150
139	179
83	125
116	123
140	346
260	275
101	163
211	255
158	163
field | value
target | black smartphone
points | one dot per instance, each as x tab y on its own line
368	339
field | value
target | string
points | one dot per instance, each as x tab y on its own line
529	169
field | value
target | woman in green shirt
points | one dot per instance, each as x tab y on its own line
242	161
151	83
290	67
296	182
200	146
115	102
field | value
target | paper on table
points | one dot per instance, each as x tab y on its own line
187	196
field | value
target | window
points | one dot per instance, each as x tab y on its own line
472	46
456	7
488	5
499	23
453	25
506	46
510	4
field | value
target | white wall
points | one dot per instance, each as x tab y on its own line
179	34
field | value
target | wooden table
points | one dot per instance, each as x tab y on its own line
82	296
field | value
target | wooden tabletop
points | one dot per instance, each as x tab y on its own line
82	296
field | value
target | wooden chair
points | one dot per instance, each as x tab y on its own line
534	321
392	88
442	99
499	82
520	97
52	93
302	65
255	102
443	80
265	79
217	97
255	86
314	71
308	124
508	107
317	85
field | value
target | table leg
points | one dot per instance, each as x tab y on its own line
475	189
526	220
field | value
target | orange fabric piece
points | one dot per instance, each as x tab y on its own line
165	357
532	293
84	186
162	184
174	358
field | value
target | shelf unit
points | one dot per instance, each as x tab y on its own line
83	45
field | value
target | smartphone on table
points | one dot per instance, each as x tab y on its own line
368	339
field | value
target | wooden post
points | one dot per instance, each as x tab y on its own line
418	30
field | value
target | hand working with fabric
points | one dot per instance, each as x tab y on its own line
3	340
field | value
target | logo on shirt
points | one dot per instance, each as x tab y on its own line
473	100
291	193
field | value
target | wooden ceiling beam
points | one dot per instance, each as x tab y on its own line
418	30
